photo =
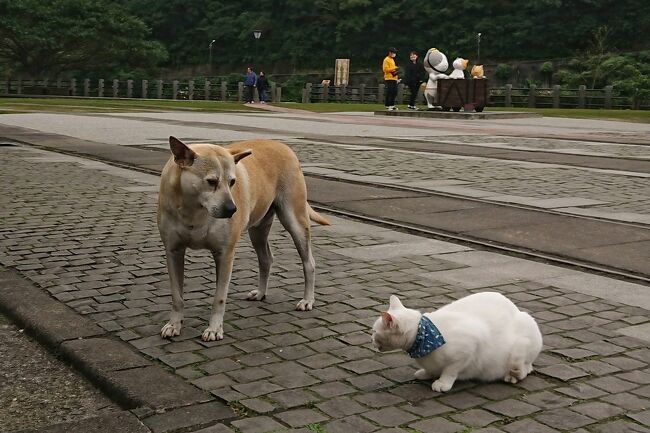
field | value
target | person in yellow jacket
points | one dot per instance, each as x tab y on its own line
390	78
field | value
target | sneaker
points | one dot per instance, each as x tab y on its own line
390	108
394	108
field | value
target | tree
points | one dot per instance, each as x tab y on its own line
47	38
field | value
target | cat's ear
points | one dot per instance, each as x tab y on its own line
388	320
395	303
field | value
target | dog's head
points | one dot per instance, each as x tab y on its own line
208	175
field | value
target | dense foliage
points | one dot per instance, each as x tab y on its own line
43	39
38	36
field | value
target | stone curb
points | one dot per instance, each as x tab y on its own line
120	422
124	375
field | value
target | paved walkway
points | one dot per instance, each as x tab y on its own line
85	232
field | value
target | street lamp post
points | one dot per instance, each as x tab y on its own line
478	47
210	56
257	34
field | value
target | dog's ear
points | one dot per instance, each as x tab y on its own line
388	320
183	155
241	154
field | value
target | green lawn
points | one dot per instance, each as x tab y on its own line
80	105
13	105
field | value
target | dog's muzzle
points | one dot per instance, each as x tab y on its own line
225	211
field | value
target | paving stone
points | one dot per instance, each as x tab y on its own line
259	424
512	408
475	418
292	398
332	389
437	425
186	417
213	382
548	400
595	367
322	360
363	366
562	372
301	417
563	419
639	377
597	410
258	405
581	391
369	382
340	407
496	391
612	384
461	400
255	389
426	408
529	426
379	399
180	359
220	366
627	401
641	417
349	424
389	416
620	426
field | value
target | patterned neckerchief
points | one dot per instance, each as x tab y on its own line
427	339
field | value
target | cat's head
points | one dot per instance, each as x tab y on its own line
396	328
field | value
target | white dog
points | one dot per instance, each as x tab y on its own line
436	65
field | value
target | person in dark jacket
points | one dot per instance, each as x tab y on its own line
262	86
250	81
414	77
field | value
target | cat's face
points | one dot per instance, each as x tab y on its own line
391	331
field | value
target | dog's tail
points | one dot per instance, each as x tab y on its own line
317	218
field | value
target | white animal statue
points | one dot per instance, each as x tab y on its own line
483	336
436	65
459	65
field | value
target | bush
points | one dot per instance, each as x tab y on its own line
503	71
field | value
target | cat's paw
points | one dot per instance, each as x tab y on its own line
441	386
422	374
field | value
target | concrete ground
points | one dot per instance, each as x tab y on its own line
84	232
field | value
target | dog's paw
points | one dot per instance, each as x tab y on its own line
255	295
171	329
441	386
305	305
510	378
212	334
422	374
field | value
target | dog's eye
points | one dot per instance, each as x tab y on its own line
213	182
232	183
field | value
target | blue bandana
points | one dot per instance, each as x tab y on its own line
427	339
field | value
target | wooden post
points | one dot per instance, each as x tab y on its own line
273	87
190	90
400	93
380	93
100	87
86	87
278	94
307	93
145	89
326	92
531	95
240	91
556	96
303	96
608	97
116	87
582	96
58	83
7	86
73	87
129	88
362	93
175	89
508	97
206	90
344	92
159	89
224	91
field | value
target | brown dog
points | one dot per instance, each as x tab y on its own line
209	194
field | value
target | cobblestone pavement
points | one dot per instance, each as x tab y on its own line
36	389
86	233
576	190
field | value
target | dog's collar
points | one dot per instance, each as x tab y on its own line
433	67
427	339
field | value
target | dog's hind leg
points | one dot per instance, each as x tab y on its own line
296	221
175	268
260	238
223	261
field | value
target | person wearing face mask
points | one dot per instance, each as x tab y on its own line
414	77
390	78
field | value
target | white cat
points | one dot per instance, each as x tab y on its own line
483	336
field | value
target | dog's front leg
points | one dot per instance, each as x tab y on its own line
175	268
223	262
